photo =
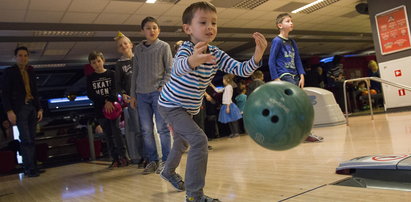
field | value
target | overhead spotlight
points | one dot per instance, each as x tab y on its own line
150	1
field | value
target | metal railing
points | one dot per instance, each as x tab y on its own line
367	79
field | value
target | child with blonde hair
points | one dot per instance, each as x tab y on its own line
123	73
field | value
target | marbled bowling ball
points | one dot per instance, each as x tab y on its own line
115	113
278	115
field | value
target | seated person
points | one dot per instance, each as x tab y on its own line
361	95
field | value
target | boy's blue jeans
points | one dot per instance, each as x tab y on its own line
187	131
147	107
292	79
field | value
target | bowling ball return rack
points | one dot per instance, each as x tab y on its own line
377	171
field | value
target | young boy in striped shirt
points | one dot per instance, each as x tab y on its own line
194	67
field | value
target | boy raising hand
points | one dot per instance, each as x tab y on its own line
194	67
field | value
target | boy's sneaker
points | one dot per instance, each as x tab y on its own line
150	168
175	180
313	138
160	167
114	164
204	198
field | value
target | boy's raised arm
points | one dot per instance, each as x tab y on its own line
260	46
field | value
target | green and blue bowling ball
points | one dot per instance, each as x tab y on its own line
278	115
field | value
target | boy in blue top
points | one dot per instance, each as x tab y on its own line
284	61
194	66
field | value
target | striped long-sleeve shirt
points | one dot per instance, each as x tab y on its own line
186	86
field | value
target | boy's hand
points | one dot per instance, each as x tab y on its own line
108	107
260	46
126	98
200	56
98	130
12	117
302	81
39	115
133	103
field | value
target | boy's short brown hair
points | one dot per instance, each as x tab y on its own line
148	19
280	18
94	55
190	10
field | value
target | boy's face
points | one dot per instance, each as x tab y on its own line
22	58
286	24
97	64
151	31
124	45
203	26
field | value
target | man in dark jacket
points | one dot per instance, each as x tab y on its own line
22	104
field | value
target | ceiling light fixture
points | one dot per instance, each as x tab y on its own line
48	66
316	5
151	1
64	33
249	4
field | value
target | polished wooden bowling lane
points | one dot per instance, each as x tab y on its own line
238	170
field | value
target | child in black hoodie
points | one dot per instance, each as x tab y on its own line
101	90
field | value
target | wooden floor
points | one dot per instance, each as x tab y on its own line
239	170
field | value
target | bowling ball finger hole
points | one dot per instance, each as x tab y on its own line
288	92
266	112
274	119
